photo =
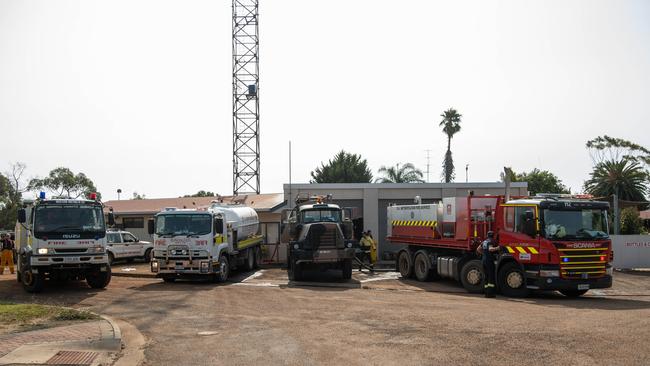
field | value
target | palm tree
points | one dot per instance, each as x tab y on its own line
624	177
396	174
450	126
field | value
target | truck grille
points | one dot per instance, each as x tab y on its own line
72	250
582	263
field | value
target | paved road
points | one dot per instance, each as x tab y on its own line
262	319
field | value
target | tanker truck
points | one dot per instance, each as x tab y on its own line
205	243
547	242
62	239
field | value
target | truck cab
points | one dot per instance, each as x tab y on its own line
319	235
205	243
62	239
558	243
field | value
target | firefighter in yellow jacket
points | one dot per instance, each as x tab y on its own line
7	258
368	243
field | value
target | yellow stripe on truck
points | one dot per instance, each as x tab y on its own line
533	250
510	250
521	250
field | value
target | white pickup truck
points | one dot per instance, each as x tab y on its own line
124	245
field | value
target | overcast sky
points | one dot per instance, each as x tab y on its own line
137	94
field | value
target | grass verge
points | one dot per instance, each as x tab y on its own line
24	317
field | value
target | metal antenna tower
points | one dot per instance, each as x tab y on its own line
245	101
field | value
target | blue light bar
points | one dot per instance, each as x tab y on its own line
565	259
41	195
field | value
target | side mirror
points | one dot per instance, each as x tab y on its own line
218	226
150	227
22	216
111	219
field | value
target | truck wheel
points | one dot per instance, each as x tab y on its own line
512	281
223	270
111	258
471	276
295	271
347	269
573	293
422	266
32	282
250	259
404	264
147	255
258	256
99	279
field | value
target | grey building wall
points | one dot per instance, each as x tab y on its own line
373	198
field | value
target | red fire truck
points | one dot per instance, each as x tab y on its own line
547	242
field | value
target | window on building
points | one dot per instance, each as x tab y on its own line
133	222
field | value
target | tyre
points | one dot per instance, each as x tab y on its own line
147	255
573	293
249	265
99	279
169	279
422	266
405	264
111	258
512	280
295	271
471	276
32	282
346	266
224	269
258	256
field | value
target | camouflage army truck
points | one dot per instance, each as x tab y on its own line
318	236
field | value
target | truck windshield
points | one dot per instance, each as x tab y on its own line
59	219
321	215
575	224
172	225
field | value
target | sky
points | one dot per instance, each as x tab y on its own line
137	94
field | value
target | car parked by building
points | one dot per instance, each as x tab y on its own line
124	245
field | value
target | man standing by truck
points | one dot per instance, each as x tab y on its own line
488	248
7	254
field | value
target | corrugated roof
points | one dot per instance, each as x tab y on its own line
259	202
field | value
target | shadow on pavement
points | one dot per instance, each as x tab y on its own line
54	292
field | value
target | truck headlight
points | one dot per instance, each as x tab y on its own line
609	271
296	246
43	250
154	266
349	245
96	249
549	273
205	266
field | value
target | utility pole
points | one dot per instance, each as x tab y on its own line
245	101
466	172
428	163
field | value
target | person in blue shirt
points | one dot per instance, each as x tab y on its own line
490	248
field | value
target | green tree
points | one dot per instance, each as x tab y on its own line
540	181
607	148
201	193
631	222
11	190
400	174
343	168
7	205
625	177
62	182
137	196
450	126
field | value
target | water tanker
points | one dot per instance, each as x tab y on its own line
205	243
